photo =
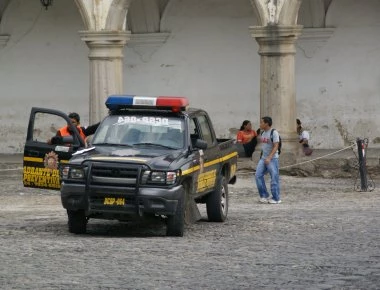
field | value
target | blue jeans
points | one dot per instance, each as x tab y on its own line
261	170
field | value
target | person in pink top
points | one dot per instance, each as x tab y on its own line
247	137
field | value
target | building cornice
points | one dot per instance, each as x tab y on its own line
146	44
313	39
4	38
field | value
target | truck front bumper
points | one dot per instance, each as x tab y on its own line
160	201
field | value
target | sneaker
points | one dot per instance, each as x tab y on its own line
263	200
272	201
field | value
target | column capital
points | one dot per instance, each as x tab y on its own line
276	39
4	39
105	44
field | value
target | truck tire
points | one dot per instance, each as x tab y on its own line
176	223
77	221
217	202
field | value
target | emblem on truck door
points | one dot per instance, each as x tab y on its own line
51	160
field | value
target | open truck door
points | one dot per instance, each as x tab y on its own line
44	156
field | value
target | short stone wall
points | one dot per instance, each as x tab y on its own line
323	163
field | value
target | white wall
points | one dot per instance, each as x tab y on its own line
209	57
338	88
44	64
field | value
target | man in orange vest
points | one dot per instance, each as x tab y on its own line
66	130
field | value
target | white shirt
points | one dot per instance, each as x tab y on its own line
304	135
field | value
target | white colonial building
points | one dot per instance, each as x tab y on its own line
317	60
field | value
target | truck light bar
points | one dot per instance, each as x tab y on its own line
175	104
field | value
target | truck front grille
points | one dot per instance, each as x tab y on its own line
125	175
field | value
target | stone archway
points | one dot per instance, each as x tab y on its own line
144	20
144	16
3	6
312	14
315	34
3	37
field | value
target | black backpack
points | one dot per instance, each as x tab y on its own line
271	138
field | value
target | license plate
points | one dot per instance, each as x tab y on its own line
114	201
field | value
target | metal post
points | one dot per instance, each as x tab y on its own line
362	164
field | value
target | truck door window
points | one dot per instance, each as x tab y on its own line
46	126
206	131
194	132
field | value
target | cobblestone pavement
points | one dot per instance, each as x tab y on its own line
324	235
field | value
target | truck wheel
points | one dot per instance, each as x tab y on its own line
217	202
176	223
77	221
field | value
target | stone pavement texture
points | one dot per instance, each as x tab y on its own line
10	158
10	161
324	235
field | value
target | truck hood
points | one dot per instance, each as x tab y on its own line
159	159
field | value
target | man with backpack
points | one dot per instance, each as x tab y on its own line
270	145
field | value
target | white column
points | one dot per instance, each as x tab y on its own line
106	68
277	81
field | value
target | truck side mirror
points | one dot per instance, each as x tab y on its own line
201	144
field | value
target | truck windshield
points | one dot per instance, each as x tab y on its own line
138	130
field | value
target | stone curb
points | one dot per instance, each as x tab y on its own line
343	165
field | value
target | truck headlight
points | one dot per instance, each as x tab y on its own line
72	173
159	177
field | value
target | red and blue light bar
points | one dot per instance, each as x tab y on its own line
175	104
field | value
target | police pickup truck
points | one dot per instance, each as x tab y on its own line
150	157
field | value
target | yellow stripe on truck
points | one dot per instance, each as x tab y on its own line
221	159
33	159
41	160
210	163
190	170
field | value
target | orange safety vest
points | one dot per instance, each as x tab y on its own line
65	132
